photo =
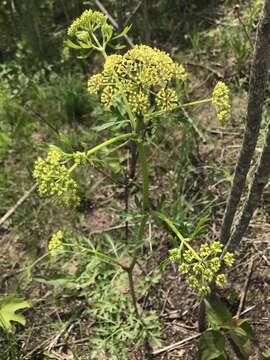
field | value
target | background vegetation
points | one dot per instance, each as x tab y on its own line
75	311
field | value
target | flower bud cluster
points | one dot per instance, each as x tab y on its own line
141	75
55	244
203	267
54	177
221	100
89	22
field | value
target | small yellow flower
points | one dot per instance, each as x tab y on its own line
221	100
167	99
95	83
108	96
139	102
89	20
139	74
221	280
229	259
54	179
55	244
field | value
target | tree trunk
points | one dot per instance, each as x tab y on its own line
257	88
254	196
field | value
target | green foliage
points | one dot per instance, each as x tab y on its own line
104	285
212	342
8	307
212	346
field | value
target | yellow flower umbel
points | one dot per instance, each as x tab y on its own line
91	29
55	244
54	178
203	268
221	100
144	76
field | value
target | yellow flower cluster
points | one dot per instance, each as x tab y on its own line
55	244
89	21
143	75
54	178
203	268
221	100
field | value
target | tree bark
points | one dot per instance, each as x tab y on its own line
257	88
260	179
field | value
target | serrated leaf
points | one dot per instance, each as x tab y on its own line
212	346
8	307
218	315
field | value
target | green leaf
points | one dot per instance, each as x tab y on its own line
242	340
108	125
266	354
117	47
8	307
71	44
218	315
123	32
212	346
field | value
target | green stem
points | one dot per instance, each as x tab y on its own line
105	258
145	175
177	233
102	145
193	103
197	102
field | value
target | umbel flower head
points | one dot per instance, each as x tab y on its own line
91	29
203	267
55	244
221	100
54	178
144	76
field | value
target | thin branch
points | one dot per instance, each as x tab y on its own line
257	88
133	13
18	203
112	20
176	345
245	289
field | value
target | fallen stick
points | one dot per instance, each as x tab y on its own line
18	203
175	345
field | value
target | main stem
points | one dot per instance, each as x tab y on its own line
145	189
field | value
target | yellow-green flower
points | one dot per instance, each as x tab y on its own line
142	76
203	267
139	102
229	259
54	178
221	280
167	99
89	21
108	96
55	244
95	83
221	100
